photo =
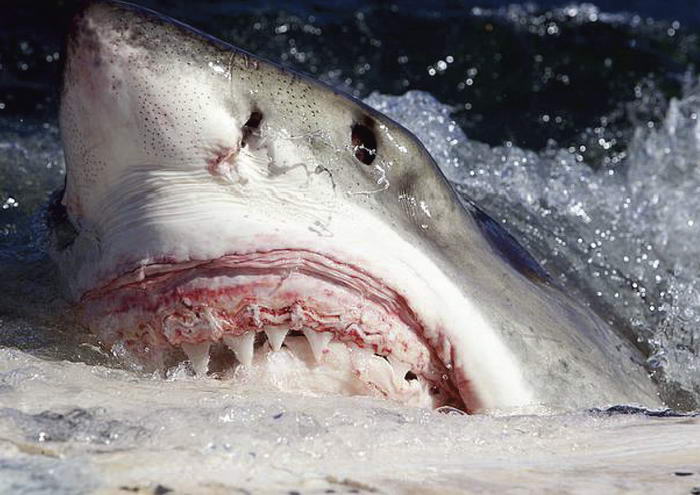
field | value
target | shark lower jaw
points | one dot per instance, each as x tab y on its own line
296	318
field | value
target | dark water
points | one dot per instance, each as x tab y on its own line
589	83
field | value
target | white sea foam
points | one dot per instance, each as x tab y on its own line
73	428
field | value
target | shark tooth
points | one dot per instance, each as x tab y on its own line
198	355
275	336
318	341
382	373
242	346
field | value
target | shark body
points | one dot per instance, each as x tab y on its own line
217	204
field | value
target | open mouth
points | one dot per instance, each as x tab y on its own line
300	319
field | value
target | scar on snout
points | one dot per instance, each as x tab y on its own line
221	156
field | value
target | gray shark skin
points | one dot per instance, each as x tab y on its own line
222	209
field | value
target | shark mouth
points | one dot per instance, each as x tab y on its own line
299	319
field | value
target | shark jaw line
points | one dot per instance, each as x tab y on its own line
263	303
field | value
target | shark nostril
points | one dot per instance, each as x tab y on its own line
254	120
410	375
364	143
251	125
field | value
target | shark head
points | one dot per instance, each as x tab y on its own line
218	205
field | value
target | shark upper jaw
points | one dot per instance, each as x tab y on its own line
235	313
205	213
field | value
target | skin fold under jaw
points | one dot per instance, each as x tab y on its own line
223	210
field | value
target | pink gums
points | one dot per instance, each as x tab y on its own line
163	306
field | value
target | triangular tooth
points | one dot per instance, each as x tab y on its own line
318	341
198	355
383	374
242	346
275	336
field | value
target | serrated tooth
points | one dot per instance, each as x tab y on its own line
275	336
242	346
198	355
318	341
382	374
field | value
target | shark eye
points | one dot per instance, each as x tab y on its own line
364	143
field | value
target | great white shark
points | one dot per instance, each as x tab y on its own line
220	207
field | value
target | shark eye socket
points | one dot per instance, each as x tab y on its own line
364	143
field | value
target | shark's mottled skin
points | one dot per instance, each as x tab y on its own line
216	198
